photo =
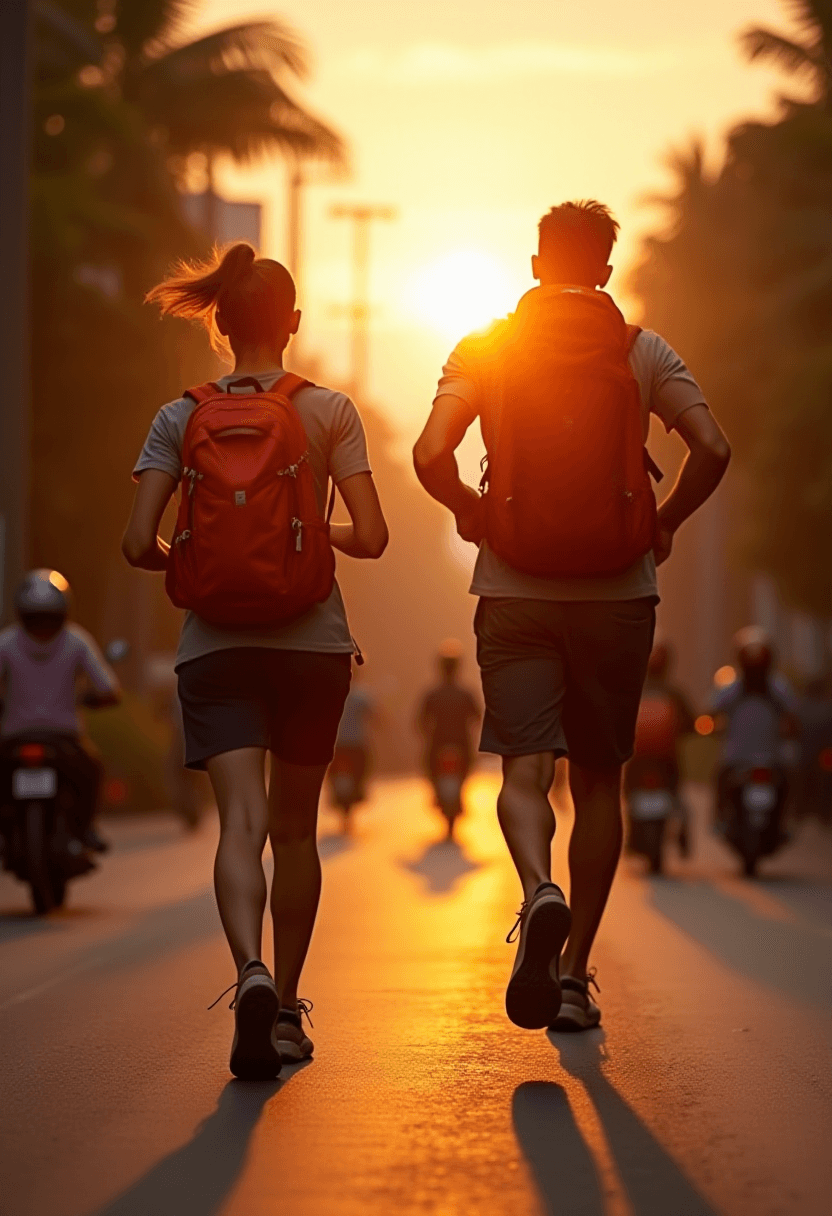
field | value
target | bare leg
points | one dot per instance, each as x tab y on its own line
293	815
593	857
526	817
238	779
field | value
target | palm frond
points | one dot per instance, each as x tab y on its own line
258	45
142	25
242	113
760	43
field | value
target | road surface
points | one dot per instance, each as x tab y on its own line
707	1091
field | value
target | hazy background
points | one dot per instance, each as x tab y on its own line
473	119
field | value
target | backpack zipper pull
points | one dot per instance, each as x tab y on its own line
298	529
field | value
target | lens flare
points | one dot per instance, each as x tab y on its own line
461	292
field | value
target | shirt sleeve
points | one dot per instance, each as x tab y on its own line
163	447
459	380
94	665
672	387
348	452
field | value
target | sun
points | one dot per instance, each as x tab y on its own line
462	291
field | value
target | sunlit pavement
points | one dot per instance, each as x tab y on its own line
707	1091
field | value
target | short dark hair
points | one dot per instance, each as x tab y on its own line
579	235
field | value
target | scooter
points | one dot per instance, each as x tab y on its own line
753	801
448	779
40	845
652	802
38	836
346	783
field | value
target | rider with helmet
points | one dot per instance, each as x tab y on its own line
756	712
46	661
448	712
664	718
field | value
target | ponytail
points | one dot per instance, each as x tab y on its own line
251	295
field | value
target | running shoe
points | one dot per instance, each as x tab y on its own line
254	1052
293	1043
533	995
578	1010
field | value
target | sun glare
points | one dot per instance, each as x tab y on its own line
462	291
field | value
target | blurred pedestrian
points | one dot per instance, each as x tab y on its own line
256	688
568	543
447	716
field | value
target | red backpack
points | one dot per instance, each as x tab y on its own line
569	493
657	727
250	547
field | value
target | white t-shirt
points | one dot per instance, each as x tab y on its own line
337	450
39	680
667	389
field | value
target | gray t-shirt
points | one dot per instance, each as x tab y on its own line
337	450
753	734
39	680
667	389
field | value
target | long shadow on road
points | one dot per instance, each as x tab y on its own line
197	1179
561	1162
795	959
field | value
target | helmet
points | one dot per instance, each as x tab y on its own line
450	655
43	593
755	651
659	660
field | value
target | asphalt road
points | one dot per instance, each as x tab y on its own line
707	1091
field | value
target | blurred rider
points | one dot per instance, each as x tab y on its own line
756	711
449	712
46	663
354	731
665	715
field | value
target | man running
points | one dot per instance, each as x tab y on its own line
563	658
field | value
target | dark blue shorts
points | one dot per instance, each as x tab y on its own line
563	677
288	701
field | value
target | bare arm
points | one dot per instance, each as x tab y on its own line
437	469
703	470
367	535
142	545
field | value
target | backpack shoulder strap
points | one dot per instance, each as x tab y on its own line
203	391
289	384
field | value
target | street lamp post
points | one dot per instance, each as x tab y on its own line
361	215
15	155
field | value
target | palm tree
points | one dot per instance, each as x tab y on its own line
223	93
809	56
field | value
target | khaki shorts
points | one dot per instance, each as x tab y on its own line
563	677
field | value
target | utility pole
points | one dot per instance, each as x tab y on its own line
361	215
15	156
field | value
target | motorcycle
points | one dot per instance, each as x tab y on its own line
652	803
448	778
346	780
38	837
753	800
41	848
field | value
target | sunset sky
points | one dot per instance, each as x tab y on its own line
472	119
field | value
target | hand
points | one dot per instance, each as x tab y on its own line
470	518
664	543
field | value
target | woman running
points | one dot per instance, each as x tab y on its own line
245	692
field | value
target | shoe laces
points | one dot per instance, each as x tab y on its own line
518	924
303	1010
222	994
235	985
590	979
